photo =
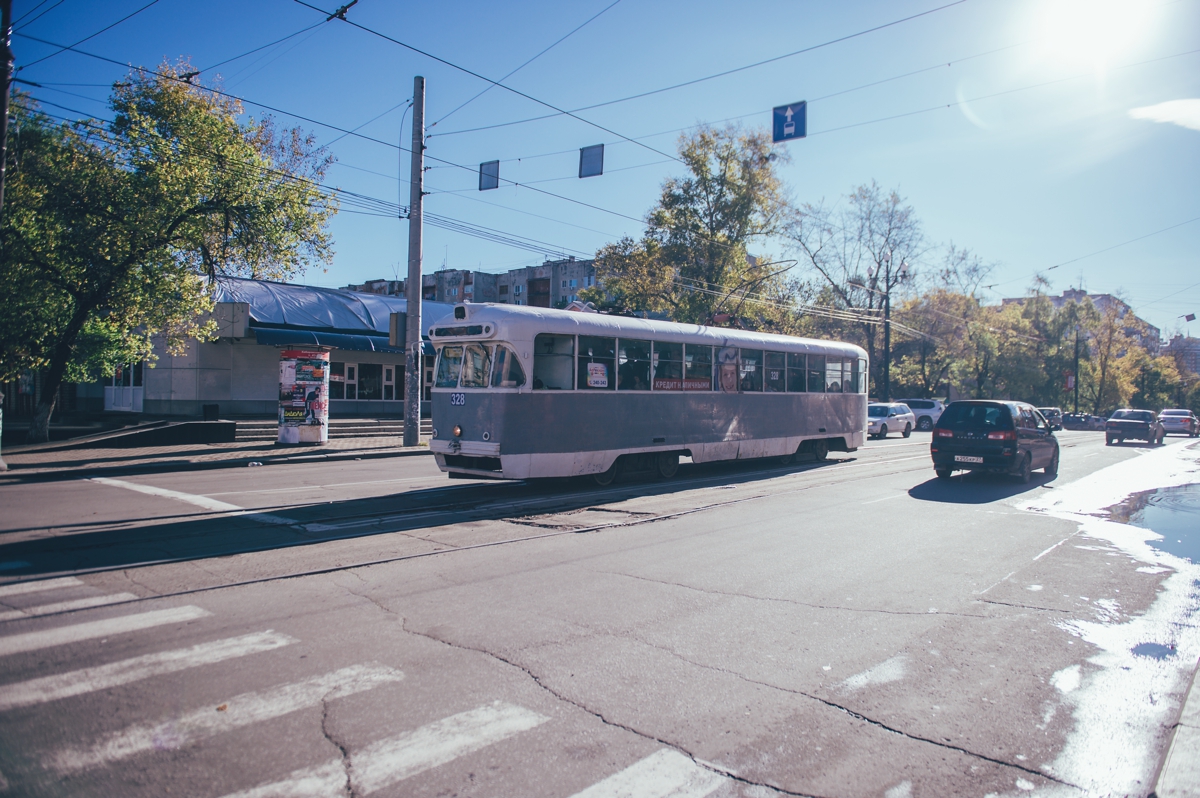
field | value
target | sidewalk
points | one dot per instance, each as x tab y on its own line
46	461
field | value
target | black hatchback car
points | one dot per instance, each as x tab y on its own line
988	435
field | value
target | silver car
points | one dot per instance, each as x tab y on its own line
1179	421
885	417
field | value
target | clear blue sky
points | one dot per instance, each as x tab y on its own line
1034	132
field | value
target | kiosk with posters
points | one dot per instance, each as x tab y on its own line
303	397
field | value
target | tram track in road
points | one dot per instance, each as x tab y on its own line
815	477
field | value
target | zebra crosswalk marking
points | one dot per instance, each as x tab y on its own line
241	710
386	762
20	588
115	674
663	774
61	635
66	606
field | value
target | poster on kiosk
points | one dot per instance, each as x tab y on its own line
303	397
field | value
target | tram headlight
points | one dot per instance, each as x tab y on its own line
457	431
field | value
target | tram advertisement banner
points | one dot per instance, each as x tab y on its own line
597	375
727	369
303	396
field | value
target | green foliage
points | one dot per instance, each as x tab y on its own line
692	264
109	229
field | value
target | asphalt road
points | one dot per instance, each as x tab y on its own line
372	628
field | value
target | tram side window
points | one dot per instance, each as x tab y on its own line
553	362
816	373
449	364
795	373
597	363
477	364
775	372
862	375
507	371
850	372
697	368
833	375
633	365
750	374
668	366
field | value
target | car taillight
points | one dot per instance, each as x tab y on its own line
1007	435
943	433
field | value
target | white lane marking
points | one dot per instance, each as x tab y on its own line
239	711
663	774
32	641
386	762
1052	548
20	588
213	505
66	606
115	674
885	498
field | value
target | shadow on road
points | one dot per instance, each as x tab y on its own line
971	487
132	543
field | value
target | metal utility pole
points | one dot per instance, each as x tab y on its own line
412	332
7	57
887	345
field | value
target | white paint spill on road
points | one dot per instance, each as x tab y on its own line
62	635
389	761
115	674
239	711
901	790
203	502
66	606
1067	679
890	670
663	774
21	588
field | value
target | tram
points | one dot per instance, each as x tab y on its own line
522	392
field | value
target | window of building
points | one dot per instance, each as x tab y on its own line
750	372
507	371
697	368
564	283
816	373
573	283
795	375
597	363
370	381
775	372
554	362
668	366
517	290
389	383
476	366
633	365
504	290
449	365
337	380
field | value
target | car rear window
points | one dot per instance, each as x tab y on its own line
1175	412
964	415
1134	415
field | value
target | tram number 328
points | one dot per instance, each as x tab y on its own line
458	399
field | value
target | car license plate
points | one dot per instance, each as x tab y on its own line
966	458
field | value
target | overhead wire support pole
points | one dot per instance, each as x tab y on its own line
412	288
7	58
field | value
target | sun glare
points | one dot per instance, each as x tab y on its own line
1094	33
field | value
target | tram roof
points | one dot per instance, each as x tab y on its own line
530	321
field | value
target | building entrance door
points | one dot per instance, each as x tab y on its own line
123	394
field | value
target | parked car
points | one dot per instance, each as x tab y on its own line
885	417
927	411
1054	415
1179	420
989	435
1096	422
1140	425
1075	421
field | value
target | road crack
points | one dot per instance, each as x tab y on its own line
1022	606
343	751
795	602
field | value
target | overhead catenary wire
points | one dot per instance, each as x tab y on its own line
19	20
87	38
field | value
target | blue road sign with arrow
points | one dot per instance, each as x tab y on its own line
791	121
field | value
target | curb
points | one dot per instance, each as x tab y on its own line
50	474
1178	773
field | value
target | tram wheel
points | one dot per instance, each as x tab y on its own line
820	450
606	478
666	465
786	459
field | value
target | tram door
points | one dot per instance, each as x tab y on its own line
124	392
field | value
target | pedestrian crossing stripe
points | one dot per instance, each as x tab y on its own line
62	635
663	774
66	606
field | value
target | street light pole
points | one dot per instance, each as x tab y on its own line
7	57
412	293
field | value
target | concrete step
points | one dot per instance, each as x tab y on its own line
267	429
